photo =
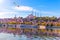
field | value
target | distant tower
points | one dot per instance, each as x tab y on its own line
35	13
40	14
15	17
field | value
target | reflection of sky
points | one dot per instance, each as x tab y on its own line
6	36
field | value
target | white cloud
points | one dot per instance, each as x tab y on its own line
4	13
7	14
23	8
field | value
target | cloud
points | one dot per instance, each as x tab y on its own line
7	14
3	13
21	11
23	8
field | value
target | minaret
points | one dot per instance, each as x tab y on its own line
32	12
40	13
15	20
35	13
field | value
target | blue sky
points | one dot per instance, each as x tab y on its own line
10	8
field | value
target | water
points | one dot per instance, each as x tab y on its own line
7	36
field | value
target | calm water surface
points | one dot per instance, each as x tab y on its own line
7	36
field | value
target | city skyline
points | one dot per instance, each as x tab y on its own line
22	8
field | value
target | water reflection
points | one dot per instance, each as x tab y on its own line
7	36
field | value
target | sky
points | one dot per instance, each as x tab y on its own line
22	8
